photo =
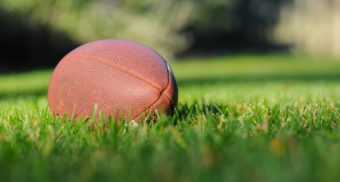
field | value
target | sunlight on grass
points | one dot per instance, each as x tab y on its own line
242	118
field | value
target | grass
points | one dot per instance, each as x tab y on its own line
239	118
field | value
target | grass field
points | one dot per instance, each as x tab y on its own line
239	118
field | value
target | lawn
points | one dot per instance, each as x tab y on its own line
239	118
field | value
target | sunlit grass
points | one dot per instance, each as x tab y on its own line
242	118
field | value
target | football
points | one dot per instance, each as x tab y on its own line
120	78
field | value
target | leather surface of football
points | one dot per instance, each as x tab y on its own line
122	78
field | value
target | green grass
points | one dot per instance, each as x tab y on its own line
239	118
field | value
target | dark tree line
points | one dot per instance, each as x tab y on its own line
28	45
234	25
214	27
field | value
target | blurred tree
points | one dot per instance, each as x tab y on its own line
222	25
171	27
153	22
29	45
311	26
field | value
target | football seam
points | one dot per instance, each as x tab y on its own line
106	62
160	95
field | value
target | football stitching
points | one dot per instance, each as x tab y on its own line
106	62
160	95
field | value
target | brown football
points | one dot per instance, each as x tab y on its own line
122	78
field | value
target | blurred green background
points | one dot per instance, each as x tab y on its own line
37	33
